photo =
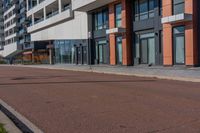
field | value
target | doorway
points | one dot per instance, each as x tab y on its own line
179	45
101	52
119	52
147	49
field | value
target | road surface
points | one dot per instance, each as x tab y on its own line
60	101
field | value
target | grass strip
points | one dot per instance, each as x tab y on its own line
2	129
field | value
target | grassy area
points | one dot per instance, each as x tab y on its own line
2	129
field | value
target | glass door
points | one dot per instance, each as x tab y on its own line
101	53
180	50
119	55
151	51
179	45
147	50
144	51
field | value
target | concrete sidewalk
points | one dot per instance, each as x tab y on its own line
170	73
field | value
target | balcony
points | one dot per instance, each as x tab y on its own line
183	17
11	50
87	5
40	6
52	19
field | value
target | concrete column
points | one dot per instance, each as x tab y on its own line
44	11
50	56
59	6
27	5
33	55
37	2
33	20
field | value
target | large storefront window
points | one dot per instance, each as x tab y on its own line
118	15
179	44
145	48
64	52
144	9
101	20
178	6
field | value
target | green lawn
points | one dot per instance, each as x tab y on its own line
2	129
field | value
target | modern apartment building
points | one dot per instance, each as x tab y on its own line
11	24
142	32
1	27
63	31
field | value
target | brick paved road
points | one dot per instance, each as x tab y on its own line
72	102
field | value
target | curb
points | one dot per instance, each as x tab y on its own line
194	80
20	121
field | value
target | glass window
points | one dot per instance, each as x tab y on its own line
105	19
160	7
151	8
136	10
144	9
118	15
101	20
179	30
178	6
64	52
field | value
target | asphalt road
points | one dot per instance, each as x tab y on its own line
60	101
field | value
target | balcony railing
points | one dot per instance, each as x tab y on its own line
51	19
52	14
39	20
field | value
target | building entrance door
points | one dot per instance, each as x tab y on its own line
179	45
119	52
101	52
147	47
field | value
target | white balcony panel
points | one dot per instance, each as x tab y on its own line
9	49
115	30
72	29
39	7
12	17
10	27
87	5
183	17
50	21
9	10
11	36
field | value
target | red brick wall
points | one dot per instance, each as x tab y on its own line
127	38
191	51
